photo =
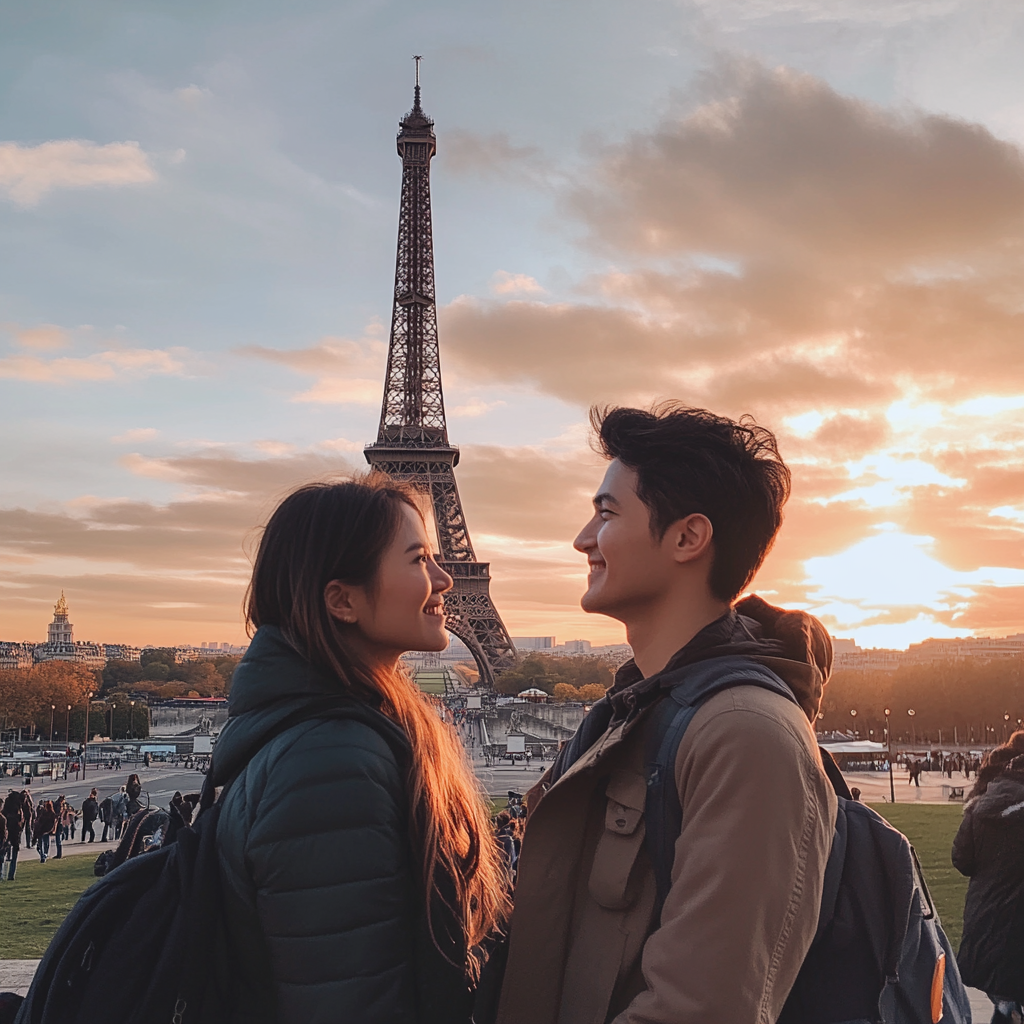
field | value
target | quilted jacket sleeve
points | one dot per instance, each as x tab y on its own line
963	844
327	854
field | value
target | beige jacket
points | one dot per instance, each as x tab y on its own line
758	820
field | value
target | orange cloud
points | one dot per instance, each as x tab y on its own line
27	173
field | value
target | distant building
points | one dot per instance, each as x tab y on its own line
533	643
61	644
16	655
928	652
218	650
572	647
982	648
122	652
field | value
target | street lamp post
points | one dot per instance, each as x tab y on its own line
1006	719
112	709
131	720
888	747
53	707
913	731
85	735
853	715
67	728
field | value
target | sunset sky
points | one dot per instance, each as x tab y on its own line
807	210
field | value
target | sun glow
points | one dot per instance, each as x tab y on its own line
890	590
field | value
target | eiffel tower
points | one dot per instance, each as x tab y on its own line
412	442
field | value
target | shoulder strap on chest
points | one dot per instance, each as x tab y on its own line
670	718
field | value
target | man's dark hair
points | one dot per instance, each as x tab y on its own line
690	460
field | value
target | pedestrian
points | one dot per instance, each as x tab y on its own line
183	808
30	815
3	842
118	812
360	874
90	812
59	806
133	790
44	827
855	793
14	815
688	508
106	816
989	849
503	837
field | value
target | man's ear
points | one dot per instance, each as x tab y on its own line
690	537
339	598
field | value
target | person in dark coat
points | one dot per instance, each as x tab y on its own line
506	843
90	812
134	790
29	809
14	815
45	826
359	875
989	849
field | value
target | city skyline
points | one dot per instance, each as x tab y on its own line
199	208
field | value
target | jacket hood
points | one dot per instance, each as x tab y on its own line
1003	797
271	683
793	644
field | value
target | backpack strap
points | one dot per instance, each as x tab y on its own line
689	689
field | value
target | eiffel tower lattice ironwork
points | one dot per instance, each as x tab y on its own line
412	442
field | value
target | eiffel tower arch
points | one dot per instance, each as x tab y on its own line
412	440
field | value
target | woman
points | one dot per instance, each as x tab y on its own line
45	826
989	849
359	873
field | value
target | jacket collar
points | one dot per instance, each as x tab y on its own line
793	644
272	682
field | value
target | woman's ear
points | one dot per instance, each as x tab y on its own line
338	597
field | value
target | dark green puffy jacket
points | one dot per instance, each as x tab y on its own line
324	918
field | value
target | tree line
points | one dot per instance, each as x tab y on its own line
54	694
962	701
158	675
562	678
52	691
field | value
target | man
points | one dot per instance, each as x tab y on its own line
90	812
689	506
14	814
118	813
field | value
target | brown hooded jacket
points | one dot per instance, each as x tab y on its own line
758	819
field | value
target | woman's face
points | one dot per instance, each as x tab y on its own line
404	611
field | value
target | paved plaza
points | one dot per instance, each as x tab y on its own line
935	787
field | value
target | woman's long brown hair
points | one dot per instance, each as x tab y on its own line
340	531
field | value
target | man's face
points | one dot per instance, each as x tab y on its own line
629	567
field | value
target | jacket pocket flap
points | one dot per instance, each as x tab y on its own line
628	789
626	792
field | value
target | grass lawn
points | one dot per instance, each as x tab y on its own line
33	906
931	827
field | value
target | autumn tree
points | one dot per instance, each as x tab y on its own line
28	696
546	671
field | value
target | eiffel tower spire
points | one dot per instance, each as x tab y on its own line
412	440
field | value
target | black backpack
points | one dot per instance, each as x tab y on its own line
143	943
879	955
